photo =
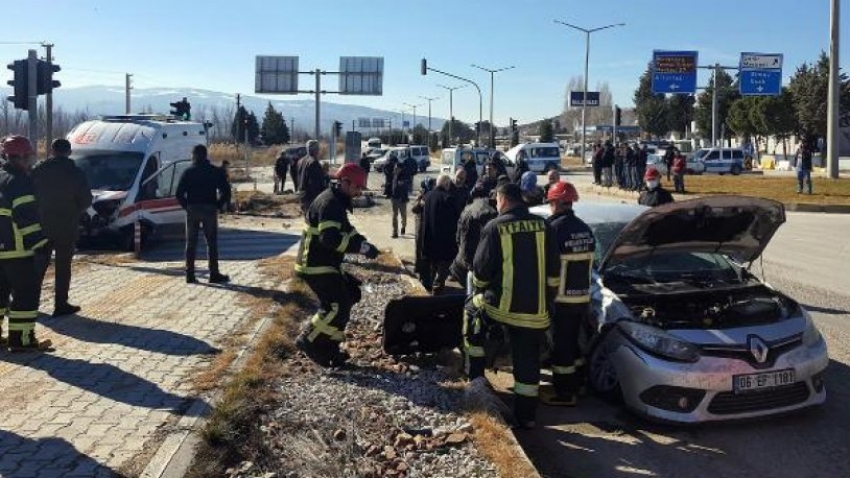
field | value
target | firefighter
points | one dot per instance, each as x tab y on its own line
575	243
21	239
473	218
514	276
327	237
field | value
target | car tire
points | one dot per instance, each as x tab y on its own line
736	170
601	374
126	240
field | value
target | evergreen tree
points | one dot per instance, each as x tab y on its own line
547	132
653	111
274	129
727	93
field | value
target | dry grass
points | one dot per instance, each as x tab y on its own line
257	202
259	156
782	189
491	440
571	162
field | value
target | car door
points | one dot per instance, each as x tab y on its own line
162	208
712	162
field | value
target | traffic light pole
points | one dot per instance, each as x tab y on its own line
48	103
32	95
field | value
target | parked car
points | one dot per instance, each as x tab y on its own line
422	156
453	159
375	153
541	157
693	164
721	160
681	331
400	151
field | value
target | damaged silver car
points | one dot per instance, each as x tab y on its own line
681	330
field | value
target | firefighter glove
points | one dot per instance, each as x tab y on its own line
369	250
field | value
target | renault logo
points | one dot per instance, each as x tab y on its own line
758	348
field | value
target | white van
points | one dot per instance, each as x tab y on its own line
453	159
541	157
133	164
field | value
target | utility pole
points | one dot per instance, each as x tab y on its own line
833	98
451	107
127	87
714	105
429	100
32	95
492	135
291	129
318	74
237	119
48	99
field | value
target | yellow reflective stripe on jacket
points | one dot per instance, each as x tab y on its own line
5	212
346	239
316	270
507	271
526	389
39	244
562	297
540	240
476	282
23	314
561	370
529	321
553	281
327	225
30	229
23	200
15	254
322	325
576	299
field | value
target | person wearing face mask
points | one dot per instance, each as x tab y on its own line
654	194
21	239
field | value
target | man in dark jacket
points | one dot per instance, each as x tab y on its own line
366	166
281	167
473	218
293	169
63	194
327	237
312	180
439	228
459	189
669	156
654	194
598	151
640	166
571	306
21	240
608	158
629	168
397	184
471	168
202	191
521	167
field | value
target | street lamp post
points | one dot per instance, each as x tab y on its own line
429	100
451	107
413	127
587	33
426	68
492	73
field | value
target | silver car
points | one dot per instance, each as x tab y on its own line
680	329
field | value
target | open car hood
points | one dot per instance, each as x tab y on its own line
737	226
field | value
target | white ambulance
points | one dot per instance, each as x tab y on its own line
133	164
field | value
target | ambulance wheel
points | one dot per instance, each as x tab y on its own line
126	239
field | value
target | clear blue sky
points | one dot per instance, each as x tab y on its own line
212	44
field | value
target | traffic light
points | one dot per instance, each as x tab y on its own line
44	81
337	129
182	109
424	67
19	84
618	116
513	125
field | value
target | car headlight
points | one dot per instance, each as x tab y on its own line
658	342
811	336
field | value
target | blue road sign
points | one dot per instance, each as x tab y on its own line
761	74
577	98
674	72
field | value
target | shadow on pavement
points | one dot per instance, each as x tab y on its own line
233	245
598	439
825	310
20	456
142	338
105	380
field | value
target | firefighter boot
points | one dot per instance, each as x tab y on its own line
26	342
323	352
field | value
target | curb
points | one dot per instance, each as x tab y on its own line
792	207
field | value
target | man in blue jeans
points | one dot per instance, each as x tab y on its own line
804	167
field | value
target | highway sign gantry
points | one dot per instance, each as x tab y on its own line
674	72
761	74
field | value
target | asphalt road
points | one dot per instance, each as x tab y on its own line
809	259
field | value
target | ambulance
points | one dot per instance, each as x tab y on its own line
133	164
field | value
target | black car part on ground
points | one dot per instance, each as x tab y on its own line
423	324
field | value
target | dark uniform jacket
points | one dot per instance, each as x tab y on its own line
655	197
328	235
63	195
439	226
472	221
471	173
281	165
400	181
461	195
20	227
608	157
521	167
311	180
516	267
575	244
203	183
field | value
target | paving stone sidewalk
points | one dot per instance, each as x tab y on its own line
122	373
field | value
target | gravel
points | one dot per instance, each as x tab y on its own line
379	416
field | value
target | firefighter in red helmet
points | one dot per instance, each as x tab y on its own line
20	239
576	244
327	237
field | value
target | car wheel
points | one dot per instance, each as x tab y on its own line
602	375
736	170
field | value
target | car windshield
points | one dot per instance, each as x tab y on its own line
699	154
604	233
544	152
675	267
109	170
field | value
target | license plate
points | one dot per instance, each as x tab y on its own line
760	381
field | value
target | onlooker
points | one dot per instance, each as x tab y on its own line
608	157
654	195
471	168
619	166
225	168
399	188
439	227
629	168
640	166
598	152
293	170
421	266
531	193
520	169
202	191
679	167
804	167
552	178
472	219
63	194
366	166
281	167
312	180
669	156
412	168
459	189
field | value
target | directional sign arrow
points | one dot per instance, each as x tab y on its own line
760	88
674	86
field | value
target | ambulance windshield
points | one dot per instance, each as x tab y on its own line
109	170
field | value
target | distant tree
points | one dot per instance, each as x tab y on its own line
774	116
241	120
680	112
652	111
740	117
461	132
274	129
420	134
546	131
727	93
